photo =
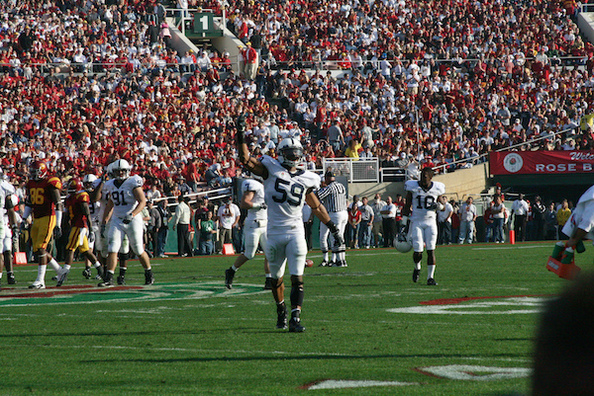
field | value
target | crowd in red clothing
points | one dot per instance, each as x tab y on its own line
442	83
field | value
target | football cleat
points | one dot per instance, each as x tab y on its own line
37	285
268	284
10	279
281	316
295	326
324	264
106	283
149	278
87	273
229	274
62	277
416	274
121	280
431	282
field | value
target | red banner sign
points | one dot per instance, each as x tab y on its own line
541	162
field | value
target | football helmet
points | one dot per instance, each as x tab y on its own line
402	243
290	152
88	181
402	246
74	185
121	169
38	170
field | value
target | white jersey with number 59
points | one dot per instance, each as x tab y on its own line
285	193
423	200
122	194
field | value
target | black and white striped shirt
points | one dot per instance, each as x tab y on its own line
333	197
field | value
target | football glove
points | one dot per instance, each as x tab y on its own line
241	124
57	232
338	240
128	219
91	237
102	230
260	207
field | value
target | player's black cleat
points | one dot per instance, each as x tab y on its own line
295	326
281	316
149	278
10	279
268	284
87	273
229	274
416	275
121	280
324	264
431	282
106	283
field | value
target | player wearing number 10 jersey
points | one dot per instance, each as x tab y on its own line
286	191
421	204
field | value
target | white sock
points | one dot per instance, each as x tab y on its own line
269	275
325	256
97	264
430	271
41	273
234	268
342	256
418	265
54	265
66	267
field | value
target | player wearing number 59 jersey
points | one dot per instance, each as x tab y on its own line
421	203
286	190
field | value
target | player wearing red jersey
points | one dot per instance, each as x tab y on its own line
43	198
77	208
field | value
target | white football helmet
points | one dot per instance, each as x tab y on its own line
121	169
290	152
88	181
402	246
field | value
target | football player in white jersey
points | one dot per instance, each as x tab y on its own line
125	201
254	229
421	204
286	190
8	226
100	195
94	187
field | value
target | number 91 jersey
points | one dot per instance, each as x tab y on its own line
122	194
423	201
285	193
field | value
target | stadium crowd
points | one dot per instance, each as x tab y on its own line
87	82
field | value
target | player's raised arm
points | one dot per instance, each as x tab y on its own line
251	163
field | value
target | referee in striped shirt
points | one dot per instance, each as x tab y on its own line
334	198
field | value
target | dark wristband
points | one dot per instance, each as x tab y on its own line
331	226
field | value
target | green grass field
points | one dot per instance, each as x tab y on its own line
370	330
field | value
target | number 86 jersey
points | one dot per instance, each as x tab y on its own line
285	193
423	201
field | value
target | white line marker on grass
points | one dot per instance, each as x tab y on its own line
342	384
